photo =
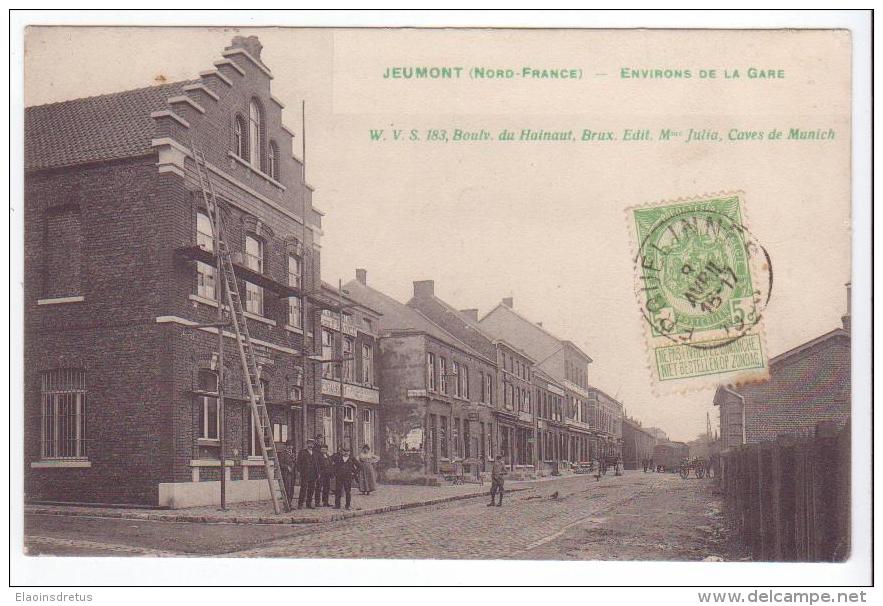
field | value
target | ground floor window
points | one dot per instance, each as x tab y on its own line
349	436
63	414
209	419
368	427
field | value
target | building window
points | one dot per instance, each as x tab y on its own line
205	238
464	380
327	353
455	436
430	371
240	142
443	375
209	421
254	299
254	254
349	362
254	442
255	129
280	432
367	365
295	271
368	427
349	418
443	435
63	414
272	160
205	281
455	375
490	388
63	253
294	311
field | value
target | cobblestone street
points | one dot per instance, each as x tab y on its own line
636	516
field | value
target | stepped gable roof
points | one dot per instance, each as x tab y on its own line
91	129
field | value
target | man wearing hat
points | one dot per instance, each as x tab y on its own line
323	482
346	468
308	469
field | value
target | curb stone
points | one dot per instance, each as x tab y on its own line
216	519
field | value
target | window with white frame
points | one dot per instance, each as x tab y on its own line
254	299
294	271
455	372
255	131
240	143
349	422
206	284
490	388
63	414
273	160
349	362
430	371
209	420
327	353
254	446
254	253
368	427
280	432
205	238
464	381
443	375
294	312
367	364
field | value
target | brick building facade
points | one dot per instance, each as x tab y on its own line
514	409
437	393
120	384
808	384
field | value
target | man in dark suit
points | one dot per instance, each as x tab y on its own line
323	482
308	470
346	469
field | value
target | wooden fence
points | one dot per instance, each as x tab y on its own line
789	499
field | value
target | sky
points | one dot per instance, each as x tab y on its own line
545	223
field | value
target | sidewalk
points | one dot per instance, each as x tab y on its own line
386	498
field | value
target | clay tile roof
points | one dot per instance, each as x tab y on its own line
110	126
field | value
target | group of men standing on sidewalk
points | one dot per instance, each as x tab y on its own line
315	469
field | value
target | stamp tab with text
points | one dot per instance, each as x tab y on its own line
702	282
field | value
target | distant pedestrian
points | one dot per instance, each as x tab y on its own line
323	481
308	470
650	465
645	463
367	476
498	475
346	468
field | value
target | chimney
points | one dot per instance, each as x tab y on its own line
424	288
470	313
847	317
362	276
250	44
507	301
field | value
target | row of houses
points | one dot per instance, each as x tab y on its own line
123	339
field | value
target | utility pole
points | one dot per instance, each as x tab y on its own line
222	425
342	359
303	271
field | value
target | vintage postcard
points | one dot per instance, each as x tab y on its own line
422	294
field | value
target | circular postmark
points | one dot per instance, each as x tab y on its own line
703	279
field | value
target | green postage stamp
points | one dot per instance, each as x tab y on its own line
702	283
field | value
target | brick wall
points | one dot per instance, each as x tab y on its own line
141	418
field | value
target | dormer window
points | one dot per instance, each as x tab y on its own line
273	161
255	127
240	143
